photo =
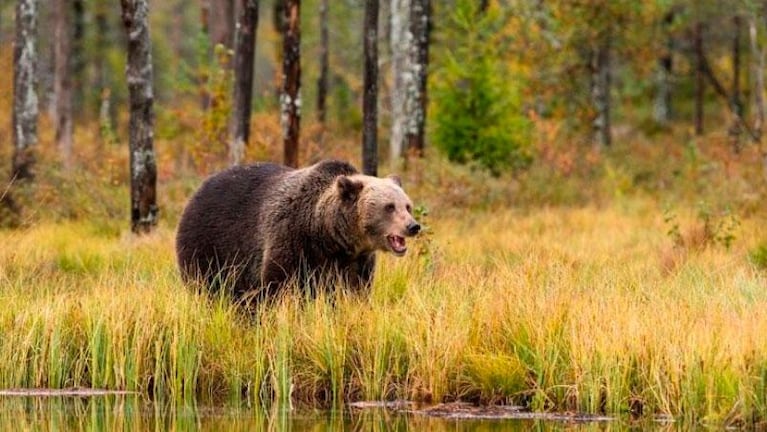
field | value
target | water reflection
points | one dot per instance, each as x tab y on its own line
134	413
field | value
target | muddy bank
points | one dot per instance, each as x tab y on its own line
73	391
463	410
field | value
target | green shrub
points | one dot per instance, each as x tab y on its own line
477	108
758	256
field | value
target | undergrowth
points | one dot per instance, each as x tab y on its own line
558	309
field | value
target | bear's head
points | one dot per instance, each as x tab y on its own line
383	211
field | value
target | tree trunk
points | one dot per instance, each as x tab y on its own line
735	97
370	97
420	26
204	73
737	103
278	21
77	68
399	44
25	107
290	99
600	90
62	79
243	78
699	77
205	17
757	65
662	110
322	81
103	79
221	22
143	169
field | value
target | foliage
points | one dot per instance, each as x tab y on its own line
758	256
477	109
710	228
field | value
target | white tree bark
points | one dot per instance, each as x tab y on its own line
415	97
400	51
143	168
25	103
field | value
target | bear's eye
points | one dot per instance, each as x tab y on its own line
389	208
409	208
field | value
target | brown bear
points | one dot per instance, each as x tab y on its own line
255	228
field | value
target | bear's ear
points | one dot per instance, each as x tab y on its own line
396	179
348	188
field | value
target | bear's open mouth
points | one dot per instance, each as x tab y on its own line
397	244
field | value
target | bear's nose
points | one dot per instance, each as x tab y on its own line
414	228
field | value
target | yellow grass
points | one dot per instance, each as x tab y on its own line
559	309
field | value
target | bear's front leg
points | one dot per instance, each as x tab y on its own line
363	277
277	269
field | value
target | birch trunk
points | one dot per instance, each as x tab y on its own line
243	78
143	168
290	99
62	80
370	96
420	16
399	43
25	103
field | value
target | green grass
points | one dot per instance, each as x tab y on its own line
558	309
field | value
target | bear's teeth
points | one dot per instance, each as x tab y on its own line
397	243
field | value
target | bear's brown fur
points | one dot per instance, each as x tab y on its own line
257	227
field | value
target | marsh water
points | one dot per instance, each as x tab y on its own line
135	413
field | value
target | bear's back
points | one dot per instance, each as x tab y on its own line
219	227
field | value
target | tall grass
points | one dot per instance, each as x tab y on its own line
558	309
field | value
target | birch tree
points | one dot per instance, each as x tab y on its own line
420	17
370	96
143	168
290	98
25	103
245	50
399	43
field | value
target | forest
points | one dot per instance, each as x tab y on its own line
589	175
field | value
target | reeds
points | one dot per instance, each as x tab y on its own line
557	309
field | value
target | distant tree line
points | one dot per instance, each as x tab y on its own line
484	70
217	22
